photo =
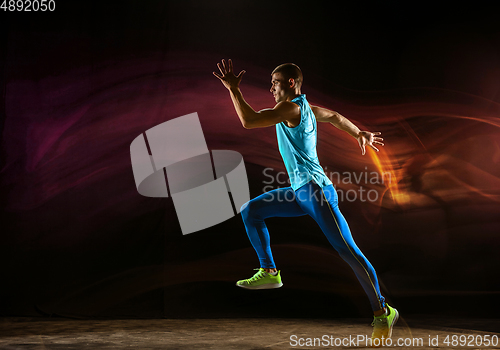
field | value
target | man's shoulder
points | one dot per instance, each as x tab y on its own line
287	105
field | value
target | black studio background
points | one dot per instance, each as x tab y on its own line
56	260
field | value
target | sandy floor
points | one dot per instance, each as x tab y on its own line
421	333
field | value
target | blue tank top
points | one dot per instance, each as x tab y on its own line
298	148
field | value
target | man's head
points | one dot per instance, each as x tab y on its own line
286	80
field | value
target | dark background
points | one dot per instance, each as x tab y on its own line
79	84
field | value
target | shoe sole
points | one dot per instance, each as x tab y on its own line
393	322
263	286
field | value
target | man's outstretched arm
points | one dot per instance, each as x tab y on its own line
365	138
248	116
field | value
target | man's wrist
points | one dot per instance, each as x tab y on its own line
235	89
355	134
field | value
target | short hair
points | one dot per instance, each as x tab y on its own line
290	70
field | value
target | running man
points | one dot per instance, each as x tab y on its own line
311	190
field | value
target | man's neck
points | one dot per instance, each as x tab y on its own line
295	95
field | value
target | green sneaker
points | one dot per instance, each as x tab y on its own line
261	280
382	326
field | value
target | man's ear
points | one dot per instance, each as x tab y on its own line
291	83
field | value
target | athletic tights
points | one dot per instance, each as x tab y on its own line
322	205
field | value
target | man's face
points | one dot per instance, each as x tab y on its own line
280	88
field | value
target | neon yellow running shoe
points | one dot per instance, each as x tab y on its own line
261	280
382	326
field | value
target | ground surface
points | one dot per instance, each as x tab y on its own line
265	333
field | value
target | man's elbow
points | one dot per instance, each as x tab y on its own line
249	125
252	121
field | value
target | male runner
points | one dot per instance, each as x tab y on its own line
311	191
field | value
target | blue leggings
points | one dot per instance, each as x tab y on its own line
322	205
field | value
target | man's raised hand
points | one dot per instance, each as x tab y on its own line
227	75
366	138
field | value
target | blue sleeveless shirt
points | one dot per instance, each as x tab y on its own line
298	148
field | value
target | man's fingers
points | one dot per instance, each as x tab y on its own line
375	148
378	139
230	64
217	75
241	73
378	143
225	66
376	133
220	68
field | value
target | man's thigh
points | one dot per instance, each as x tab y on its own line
280	202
